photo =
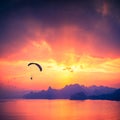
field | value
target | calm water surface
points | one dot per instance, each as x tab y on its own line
59	110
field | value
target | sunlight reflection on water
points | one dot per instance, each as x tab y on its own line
59	109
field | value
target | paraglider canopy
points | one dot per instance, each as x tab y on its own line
40	68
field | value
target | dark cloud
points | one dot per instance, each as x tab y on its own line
52	12
12	36
56	12
15	15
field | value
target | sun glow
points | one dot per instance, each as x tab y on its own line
59	73
66	57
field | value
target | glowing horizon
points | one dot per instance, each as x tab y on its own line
57	71
71	44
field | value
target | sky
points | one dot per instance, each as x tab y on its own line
75	41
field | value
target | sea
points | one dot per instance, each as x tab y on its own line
59	109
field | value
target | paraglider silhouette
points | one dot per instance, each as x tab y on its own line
39	66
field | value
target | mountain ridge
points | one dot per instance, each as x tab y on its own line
68	91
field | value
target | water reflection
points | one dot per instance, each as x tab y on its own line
59	109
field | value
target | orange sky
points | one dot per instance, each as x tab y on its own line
66	59
73	42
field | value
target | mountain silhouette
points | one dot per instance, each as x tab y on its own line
79	96
72	91
113	96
